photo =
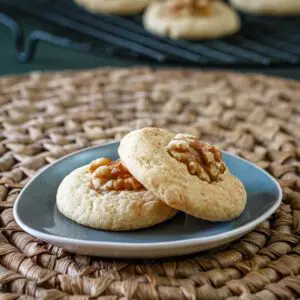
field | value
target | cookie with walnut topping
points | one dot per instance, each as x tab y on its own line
184	173
191	19
104	195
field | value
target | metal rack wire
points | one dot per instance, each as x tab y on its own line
263	41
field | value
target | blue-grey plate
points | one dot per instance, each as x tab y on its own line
36	212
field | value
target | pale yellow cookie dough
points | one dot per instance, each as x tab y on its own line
118	7
144	154
117	211
268	7
223	21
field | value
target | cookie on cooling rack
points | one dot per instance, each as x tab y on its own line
184	173
118	7
268	7
104	195
191	19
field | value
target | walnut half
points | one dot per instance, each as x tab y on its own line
108	175
201	159
190	7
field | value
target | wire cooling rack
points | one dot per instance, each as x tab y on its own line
264	41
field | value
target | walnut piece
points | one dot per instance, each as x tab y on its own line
108	175
201	159
190	7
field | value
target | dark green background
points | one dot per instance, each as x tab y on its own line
56	58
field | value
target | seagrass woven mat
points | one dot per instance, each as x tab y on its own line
46	116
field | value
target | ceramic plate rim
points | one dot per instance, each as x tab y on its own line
158	245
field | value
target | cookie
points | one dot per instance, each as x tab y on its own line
118	7
268	7
109	209
221	20
166	166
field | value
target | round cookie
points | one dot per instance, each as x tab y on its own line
268	7
222	21
117	211
118	7
144	154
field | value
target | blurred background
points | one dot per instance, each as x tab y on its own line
58	34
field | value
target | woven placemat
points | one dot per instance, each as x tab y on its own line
47	115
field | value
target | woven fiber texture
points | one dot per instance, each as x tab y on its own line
44	116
